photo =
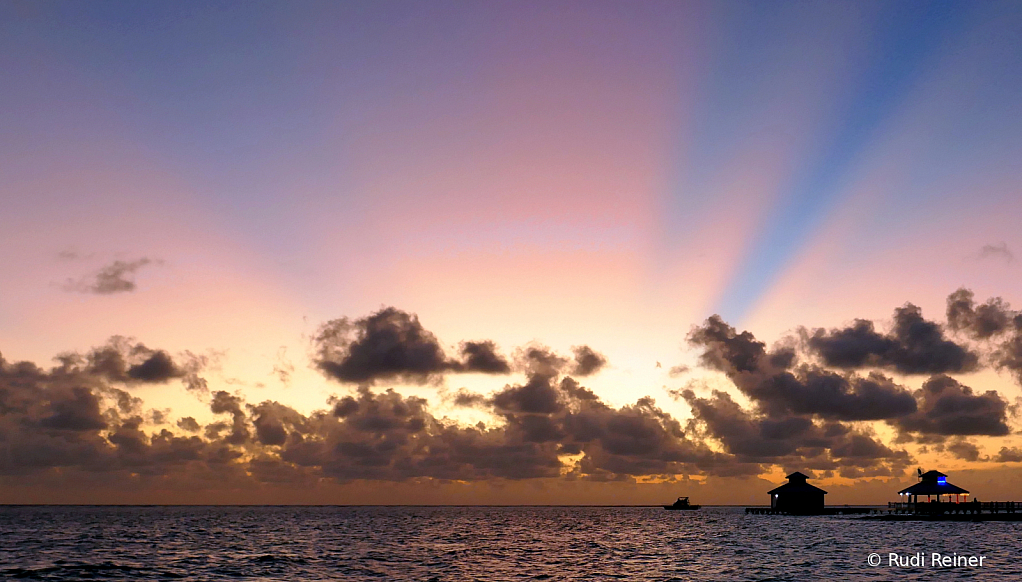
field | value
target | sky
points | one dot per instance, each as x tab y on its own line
507	252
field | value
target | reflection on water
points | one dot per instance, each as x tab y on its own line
481	543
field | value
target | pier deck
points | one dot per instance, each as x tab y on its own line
835	510
934	508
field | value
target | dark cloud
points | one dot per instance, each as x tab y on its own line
467	398
274	421
740	434
158	367
615	443
82	414
725	350
540	360
948	407
980	321
76	408
387	436
992	320
587	361
226	403
122	360
1009	455
392	344
483	357
779	387
639	439
537	395
117	277
188	423
914	346
811	390
964	450
390	437
1009	355
387	344
791	440
70	417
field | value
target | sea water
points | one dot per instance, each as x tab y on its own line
489	543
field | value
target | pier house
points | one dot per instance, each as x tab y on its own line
797	497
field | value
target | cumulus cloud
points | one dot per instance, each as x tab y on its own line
226	403
189	424
117	277
123	360
587	361
482	356
812	408
964	450
74	417
71	417
1009	455
274	421
992	320
979	321
947	407
779	386
541	360
387	344
914	346
388	436
792	440
538	395
393	344
1009	355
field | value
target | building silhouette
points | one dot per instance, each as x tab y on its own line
797	497
933	484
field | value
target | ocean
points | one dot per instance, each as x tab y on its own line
490	543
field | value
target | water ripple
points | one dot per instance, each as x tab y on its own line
479	543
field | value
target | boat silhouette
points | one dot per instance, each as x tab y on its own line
681	504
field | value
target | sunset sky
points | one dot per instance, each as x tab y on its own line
468	252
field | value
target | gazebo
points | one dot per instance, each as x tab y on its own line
934	484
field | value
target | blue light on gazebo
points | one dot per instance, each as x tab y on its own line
941	480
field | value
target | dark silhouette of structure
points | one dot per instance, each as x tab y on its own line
797	497
934	484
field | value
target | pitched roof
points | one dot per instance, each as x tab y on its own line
932	488
796	488
796	484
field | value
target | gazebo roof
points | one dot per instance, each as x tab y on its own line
932	488
932	483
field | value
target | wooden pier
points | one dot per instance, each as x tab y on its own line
944	508
838	510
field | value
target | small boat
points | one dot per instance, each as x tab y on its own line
681	504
